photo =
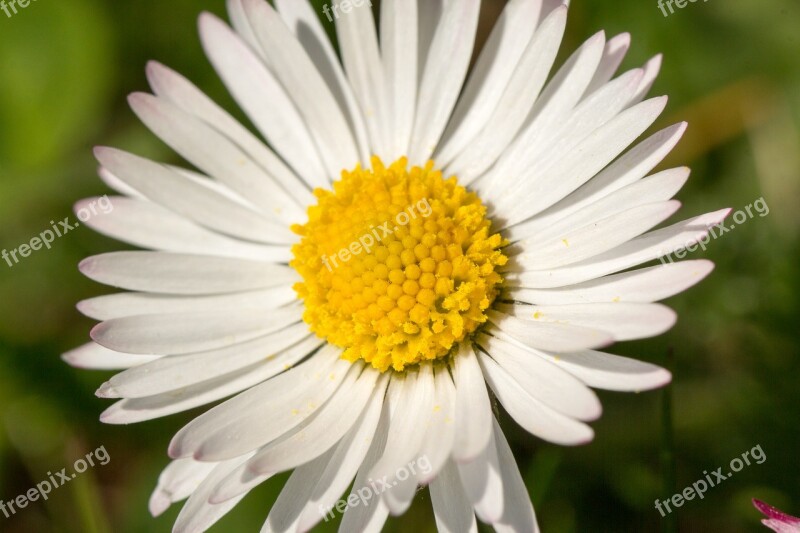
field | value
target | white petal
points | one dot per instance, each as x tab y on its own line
303	82
183	333
626	170
347	459
552	141
430	14
473	411
140	409
358	42
177	482
613	54
399	42
369	515
214	154
601	147
518	514
553	336
197	514
440	430
124	304
543	381
549	142
451	508
651	70
236	426
179	371
534	416
117	184
590	113
285	513
147	225
611	372
191	198
263	98
552	108
93	356
490	76
625	321
304	22
183	273
645	285
179	91
516	104
482	483
301	445
214	185
649	246
656	188
579	243
549	6
408	399
241	23
321	432
401	495
443	75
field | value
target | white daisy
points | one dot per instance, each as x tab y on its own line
402	240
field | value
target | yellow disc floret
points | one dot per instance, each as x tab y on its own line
398	264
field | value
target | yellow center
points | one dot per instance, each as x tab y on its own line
398	264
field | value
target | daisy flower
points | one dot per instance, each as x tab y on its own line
777	520
401	245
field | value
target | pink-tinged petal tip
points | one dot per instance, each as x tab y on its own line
176	451
98	333
84	307
107	390
101	152
139	99
154	67
86	266
159	503
70	359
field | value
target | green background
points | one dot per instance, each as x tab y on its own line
731	70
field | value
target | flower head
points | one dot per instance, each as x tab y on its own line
399	243
417	281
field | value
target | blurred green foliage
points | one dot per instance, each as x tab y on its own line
731	69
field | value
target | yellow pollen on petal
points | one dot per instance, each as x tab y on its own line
398	264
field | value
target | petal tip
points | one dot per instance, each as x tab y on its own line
107	390
159	503
87	266
84	307
98	332
175	449
70	359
